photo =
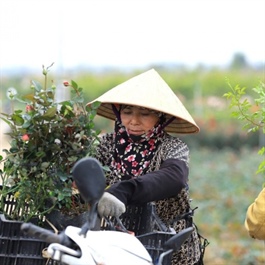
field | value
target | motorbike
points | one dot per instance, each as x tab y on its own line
89	245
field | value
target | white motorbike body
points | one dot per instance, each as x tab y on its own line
101	248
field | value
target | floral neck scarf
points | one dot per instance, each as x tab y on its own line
133	154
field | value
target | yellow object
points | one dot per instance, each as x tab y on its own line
255	217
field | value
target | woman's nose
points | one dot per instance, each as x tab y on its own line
135	119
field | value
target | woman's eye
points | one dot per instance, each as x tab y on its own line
127	112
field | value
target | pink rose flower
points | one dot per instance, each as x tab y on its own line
66	83
29	108
25	137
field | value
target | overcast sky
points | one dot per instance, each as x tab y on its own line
129	32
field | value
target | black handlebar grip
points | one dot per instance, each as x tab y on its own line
45	235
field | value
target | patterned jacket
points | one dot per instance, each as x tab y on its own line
165	183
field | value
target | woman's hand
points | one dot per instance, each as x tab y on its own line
109	205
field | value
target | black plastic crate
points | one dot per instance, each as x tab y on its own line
15	247
147	227
140	219
17	260
9	203
154	244
18	249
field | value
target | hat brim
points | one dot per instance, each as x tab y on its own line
178	125
149	90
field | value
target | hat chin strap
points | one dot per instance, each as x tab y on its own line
168	122
116	112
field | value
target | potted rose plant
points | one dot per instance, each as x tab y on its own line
46	139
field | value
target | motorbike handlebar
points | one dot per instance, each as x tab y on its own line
46	235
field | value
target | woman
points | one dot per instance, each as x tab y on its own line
146	163
255	217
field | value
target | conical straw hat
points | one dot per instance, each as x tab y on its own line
149	90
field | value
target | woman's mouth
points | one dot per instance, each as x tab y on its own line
136	132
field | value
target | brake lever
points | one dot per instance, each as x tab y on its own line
121	225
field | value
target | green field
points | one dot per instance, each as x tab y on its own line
222	185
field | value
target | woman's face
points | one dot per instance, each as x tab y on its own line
138	120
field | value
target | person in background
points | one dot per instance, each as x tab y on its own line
146	163
255	217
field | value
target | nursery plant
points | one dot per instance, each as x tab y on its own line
251	111
46	139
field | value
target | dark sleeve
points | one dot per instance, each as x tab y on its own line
164	183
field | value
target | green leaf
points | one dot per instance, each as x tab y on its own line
95	105
63	177
60	196
26	124
74	84
50	113
13	149
17	119
40	154
261	151
44	165
72	158
50	94
37	85
29	97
